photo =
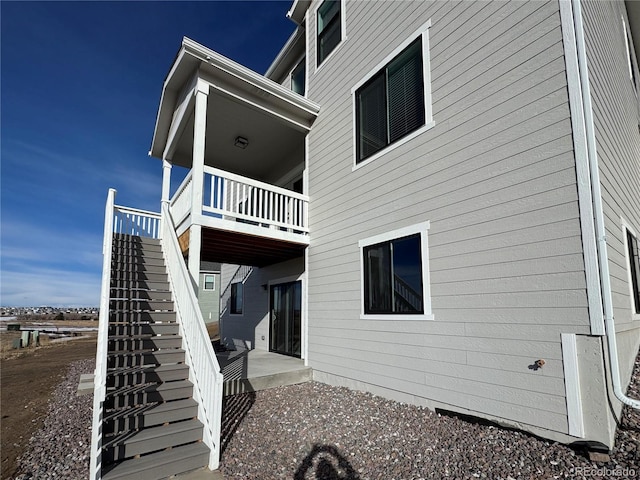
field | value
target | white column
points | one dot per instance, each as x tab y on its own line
197	179
166	181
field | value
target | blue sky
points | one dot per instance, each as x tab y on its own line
80	86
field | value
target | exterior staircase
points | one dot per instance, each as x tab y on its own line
149	425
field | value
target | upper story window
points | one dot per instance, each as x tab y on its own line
395	100
298	78
329	28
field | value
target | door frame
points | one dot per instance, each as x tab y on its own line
303	310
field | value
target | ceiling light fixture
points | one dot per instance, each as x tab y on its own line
241	142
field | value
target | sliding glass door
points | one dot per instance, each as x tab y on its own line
286	318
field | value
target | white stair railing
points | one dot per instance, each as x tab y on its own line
204	371
117	220
100	373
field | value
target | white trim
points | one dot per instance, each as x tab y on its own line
422	229
583	170
423	32
297	63
626	227
572	384
343	32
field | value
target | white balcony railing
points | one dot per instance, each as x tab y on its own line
236	198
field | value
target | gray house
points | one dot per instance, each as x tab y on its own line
437	202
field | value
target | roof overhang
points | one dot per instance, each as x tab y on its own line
298	10
195	64
633	13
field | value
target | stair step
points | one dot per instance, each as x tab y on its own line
126	255
138	268
136	418
132	395
143	329
140	305
127	344
156	466
144	317
130	294
139	276
141	359
119	377
153	439
140	284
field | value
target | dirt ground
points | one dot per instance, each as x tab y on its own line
27	378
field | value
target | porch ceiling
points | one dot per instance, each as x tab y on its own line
272	142
240	102
241	249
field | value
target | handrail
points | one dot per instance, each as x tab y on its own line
205	371
134	221
100	373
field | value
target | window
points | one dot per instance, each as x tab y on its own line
630	60
329	28
209	282
395	273
298	78
633	257
395	100
237	300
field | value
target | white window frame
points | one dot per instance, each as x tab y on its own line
204	282
423	31
633	77
343	33
419	228
298	63
627	228
231	300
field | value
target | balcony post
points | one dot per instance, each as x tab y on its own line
197	179
166	181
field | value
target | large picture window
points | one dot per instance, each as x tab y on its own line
395	273
329	28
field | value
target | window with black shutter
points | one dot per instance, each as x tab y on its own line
392	103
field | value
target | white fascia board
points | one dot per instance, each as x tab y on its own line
285	52
298	10
247	75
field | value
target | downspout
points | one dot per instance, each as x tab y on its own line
601	240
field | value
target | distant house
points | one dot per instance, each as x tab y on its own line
437	202
209	291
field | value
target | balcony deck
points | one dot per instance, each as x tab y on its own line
244	221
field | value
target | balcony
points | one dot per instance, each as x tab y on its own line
243	138
244	221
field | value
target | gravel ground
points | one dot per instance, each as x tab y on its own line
60	449
314	431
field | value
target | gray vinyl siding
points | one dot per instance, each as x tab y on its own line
251	329
616	119
209	300
495	177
